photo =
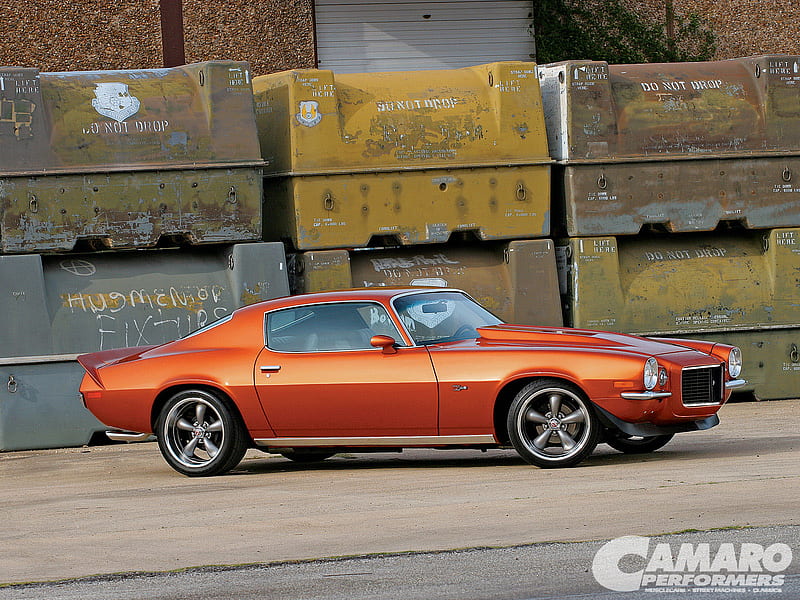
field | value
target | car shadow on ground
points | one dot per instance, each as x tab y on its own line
683	450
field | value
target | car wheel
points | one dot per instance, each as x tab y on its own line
199	435
632	444
552	424
306	456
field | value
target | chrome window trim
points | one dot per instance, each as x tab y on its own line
265	334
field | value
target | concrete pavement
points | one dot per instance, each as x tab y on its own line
84	511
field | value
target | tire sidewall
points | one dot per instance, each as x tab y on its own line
231	448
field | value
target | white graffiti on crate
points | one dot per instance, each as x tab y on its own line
137	317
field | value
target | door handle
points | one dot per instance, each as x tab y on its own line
270	368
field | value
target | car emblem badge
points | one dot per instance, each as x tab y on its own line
554	423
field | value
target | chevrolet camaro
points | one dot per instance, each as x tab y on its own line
390	368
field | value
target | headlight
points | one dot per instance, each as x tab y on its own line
650	373
735	362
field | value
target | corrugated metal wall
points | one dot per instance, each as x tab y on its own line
358	36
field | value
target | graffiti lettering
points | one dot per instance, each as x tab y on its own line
118	332
382	264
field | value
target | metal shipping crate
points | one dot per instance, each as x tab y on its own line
59	306
771	360
69	304
740	288
515	280
682	283
682	146
410	156
128	159
40	406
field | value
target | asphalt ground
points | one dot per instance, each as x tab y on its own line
120	509
528	572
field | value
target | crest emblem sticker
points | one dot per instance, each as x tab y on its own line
113	100
309	114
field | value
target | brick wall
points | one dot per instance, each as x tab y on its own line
54	35
741	27
274	35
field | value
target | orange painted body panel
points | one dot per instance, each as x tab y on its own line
353	393
439	388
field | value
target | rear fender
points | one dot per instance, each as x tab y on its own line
94	361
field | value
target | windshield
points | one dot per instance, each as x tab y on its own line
434	317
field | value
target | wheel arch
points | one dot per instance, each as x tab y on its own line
509	391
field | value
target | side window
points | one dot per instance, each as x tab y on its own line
326	327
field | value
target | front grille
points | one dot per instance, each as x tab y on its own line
702	385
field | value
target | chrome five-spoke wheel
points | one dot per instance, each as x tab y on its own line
552	424
198	434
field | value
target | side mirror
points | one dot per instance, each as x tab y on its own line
384	342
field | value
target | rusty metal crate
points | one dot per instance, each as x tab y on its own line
40	406
516	280
411	156
681	146
73	303
682	283
59	306
770	357
335	211
128	159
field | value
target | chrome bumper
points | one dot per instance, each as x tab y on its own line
735	383
117	435
645	395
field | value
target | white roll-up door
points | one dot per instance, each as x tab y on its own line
357	36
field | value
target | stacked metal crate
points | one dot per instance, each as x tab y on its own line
422	178
130	214
677	188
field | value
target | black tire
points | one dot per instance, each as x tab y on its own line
631	444
306	456
199	435
557	407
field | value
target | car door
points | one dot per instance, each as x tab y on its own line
319	376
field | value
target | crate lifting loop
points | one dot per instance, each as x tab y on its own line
521	192
602	183
12	384
787	174
794	355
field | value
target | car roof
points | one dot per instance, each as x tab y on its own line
379	293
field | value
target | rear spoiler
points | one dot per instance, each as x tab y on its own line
94	361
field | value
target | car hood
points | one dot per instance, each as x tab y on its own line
583	338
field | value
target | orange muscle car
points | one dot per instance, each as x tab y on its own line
391	368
